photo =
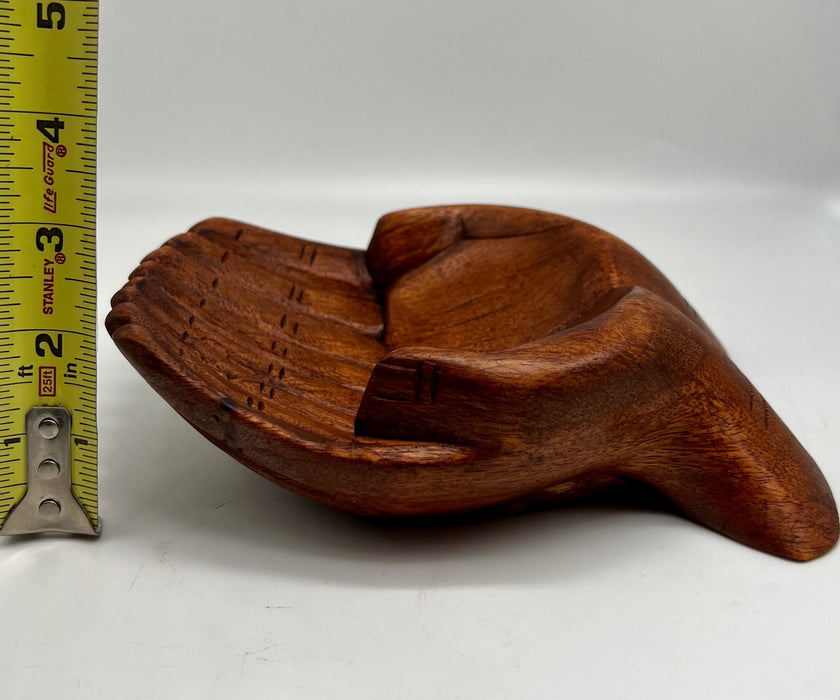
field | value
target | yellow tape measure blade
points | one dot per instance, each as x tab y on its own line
48	81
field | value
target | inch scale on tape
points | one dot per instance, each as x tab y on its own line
48	439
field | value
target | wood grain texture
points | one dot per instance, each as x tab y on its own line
473	358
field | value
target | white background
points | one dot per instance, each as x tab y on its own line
707	135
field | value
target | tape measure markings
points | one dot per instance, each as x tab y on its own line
48	70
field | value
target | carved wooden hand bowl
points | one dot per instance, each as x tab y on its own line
473	357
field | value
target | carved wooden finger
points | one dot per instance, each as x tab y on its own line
473	357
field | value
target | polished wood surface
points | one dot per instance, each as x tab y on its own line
473	358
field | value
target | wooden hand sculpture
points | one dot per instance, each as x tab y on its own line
474	357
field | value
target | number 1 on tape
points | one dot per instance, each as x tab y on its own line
48	439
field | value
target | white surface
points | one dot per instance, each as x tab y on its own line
707	139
